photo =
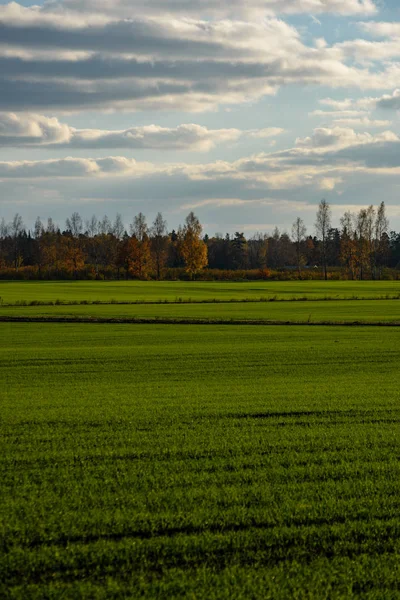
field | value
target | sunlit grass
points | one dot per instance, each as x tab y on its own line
204	462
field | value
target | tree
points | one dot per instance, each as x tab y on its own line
159	242
273	243
105	227
118	227
139	227
348	248
74	225
73	256
92	227
299	231
38	232
3	237
239	251
322	227
258	251
381	242
72	253
192	248
139	248
15	231
362	242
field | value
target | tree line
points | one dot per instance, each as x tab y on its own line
363	247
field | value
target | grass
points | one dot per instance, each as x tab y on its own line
199	462
153	291
308	311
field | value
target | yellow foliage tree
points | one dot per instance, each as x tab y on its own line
193	250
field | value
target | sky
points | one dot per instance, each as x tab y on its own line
248	113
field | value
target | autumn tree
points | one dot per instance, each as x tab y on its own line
363	240
192	247
322	227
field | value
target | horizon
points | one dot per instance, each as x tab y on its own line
248	116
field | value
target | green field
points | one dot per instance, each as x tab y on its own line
315	311
154	291
215	462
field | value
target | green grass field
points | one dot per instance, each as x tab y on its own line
210	462
154	291
315	311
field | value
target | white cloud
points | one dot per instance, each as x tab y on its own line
361	122
350	113
220	9
32	130
324	139
20	130
321	160
381	29
66	62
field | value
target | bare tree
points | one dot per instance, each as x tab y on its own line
159	242
139	227
299	231
348	250
51	227
322	227
118	227
362	231
3	228
3	235
92	226
38	229
74	225
105	226
381	235
15	229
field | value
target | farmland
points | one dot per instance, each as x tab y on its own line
200	461
155	291
369	311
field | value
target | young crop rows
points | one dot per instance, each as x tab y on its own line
218	461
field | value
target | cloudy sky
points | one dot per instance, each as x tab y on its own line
248	113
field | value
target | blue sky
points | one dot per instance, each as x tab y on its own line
247	113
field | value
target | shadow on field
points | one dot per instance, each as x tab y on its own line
293	523
360	415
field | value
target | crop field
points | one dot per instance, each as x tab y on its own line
369	311
200	461
154	291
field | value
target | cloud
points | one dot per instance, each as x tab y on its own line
324	139
21	130
321	160
381	29
32	130
361	122
389	101
351	113
221	9
156	61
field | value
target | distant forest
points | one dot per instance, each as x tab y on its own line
362	248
